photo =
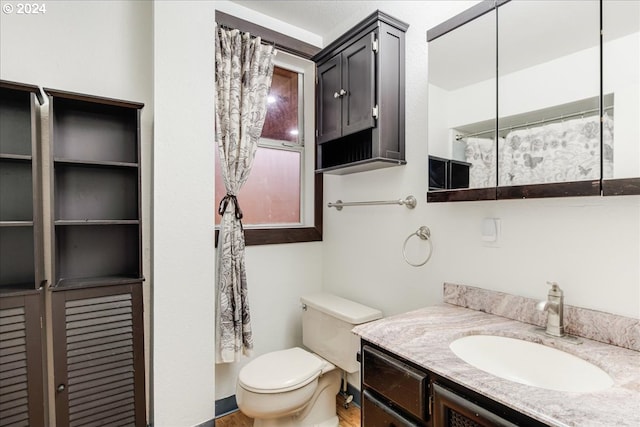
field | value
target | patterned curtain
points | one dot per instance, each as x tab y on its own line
244	68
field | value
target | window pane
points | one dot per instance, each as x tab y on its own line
281	122
271	195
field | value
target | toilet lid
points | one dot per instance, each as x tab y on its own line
280	371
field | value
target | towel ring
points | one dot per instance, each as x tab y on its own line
425	234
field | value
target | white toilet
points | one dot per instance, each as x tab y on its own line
297	388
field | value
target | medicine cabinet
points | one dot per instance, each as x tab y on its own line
525	94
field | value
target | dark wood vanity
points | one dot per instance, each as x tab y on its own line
397	392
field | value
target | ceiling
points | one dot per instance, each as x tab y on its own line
326	18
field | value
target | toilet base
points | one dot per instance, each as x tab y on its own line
319	412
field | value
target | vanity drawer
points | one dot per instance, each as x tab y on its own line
406	386
376	413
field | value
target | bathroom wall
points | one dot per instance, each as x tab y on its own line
590	246
183	206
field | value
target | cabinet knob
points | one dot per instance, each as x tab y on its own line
60	388
339	94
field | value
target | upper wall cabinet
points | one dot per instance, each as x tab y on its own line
360	98
543	124
621	83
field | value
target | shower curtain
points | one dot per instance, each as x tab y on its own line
243	72
555	152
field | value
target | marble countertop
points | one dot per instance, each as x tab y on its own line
423	337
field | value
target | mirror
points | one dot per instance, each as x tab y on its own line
621	82
549	93
462	103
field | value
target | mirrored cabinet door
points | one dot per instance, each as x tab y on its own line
549	97
462	110
621	84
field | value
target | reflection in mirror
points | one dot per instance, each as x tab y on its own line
621	79
462	90
548	92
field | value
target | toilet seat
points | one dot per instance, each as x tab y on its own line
281	371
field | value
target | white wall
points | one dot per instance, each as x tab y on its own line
184	257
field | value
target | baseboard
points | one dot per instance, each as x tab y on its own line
210	423
226	406
229	405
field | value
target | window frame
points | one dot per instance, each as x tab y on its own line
278	235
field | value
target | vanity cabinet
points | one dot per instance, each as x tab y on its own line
360	98
394	392
453	410
397	392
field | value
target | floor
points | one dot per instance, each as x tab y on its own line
349	417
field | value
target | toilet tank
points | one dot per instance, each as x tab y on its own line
327	321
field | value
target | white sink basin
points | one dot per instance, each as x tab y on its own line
530	363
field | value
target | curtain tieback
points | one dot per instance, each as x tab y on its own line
222	208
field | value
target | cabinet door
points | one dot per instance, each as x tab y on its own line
375	413
21	380
329	99
358	72
452	410
99	356
396	381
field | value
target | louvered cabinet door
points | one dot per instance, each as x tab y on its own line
98	356
21	380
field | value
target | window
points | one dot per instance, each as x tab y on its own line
281	200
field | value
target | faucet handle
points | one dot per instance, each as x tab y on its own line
555	289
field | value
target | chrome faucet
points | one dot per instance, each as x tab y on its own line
554	306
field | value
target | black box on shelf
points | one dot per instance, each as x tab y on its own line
438	173
458	174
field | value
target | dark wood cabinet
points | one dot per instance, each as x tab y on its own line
71	268
453	410
21	263
360	98
99	356
396	392
96	190
346	99
21	360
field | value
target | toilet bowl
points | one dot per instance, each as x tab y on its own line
298	387
289	388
